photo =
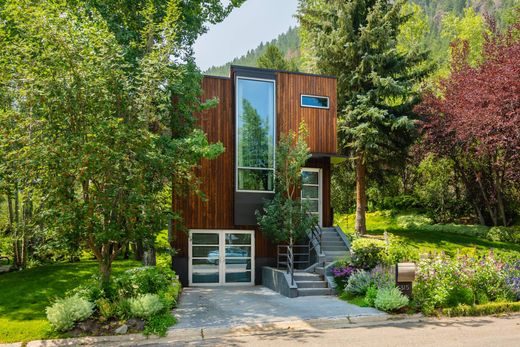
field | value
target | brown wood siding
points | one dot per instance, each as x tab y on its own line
321	123
217	176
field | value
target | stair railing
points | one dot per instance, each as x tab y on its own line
315	238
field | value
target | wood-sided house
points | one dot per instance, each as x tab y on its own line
224	245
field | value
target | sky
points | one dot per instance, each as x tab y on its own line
254	22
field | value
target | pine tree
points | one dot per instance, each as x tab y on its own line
272	58
356	41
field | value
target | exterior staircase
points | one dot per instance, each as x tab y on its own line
313	281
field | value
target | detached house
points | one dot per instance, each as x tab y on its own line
224	245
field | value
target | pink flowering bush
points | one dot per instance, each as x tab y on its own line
341	274
447	282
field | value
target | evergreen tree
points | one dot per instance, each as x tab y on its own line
272	58
356	41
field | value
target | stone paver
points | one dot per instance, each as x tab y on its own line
202	307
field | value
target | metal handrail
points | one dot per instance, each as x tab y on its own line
315	237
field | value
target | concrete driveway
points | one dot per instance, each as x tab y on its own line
203	307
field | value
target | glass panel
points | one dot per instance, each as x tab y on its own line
204	238
311	205
310	192
238	239
205	264
234	251
315	101
204	277
238	264
309	177
255	180
205	252
238	276
255	136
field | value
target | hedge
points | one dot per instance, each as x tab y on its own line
482	309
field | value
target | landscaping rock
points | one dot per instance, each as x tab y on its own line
123	329
135	324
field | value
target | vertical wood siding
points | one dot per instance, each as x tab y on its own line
218	176
321	123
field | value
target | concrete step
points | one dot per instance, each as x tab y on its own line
314	291
307	277
328	249
334	238
320	270
326	243
311	284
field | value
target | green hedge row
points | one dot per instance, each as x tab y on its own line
482	310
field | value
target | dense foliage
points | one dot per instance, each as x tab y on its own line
475	124
148	293
96	111
356	41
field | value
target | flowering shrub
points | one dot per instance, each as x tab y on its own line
341	275
359	282
512	278
444	282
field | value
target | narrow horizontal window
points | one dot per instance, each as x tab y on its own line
315	101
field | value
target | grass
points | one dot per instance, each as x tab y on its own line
25	294
352	299
419	232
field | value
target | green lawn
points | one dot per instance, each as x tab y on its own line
25	294
417	231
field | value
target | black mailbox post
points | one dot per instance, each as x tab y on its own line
404	276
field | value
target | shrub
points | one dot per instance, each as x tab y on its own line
482	310
159	324
441	282
89	290
390	299
460	295
398	252
341	275
505	234
358	283
143	280
65	312
382	278
144	306
367	253
512	278
170	295
371	295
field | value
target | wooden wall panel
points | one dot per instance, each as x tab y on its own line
321	123
217	176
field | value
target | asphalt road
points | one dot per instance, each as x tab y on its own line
474	332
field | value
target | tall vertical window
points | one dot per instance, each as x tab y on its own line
255	121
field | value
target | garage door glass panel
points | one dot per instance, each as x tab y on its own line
205	277
237	277
238	252
205	252
205	239
238	239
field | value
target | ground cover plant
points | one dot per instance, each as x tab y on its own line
137	299
26	294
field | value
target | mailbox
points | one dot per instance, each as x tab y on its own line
404	276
